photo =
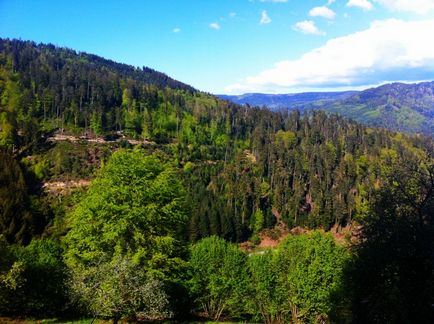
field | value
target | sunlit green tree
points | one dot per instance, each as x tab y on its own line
132	217
219	277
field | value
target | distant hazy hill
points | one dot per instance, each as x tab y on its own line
397	106
292	100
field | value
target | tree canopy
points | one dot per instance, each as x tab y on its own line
132	217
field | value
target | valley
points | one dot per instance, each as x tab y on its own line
126	195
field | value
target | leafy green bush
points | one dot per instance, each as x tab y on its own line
268	300
310	269
32	279
219	277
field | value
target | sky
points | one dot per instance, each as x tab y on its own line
243	46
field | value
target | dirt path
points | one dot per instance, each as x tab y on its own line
61	187
58	137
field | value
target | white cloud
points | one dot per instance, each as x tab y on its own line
322	12
417	6
215	26
308	27
388	50
176	30
265	19
329	2
232	14
364	4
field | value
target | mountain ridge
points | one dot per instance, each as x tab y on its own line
144	74
396	106
278	101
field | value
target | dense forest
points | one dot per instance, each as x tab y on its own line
154	234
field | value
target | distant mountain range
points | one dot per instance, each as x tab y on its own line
396	106
285	101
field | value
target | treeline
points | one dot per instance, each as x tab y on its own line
242	166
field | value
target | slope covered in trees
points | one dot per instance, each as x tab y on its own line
136	244
397	106
241	166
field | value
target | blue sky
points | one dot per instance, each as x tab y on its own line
238	46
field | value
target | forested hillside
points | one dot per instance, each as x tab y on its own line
238	163
201	166
397	106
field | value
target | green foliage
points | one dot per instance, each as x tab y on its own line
95	123
311	273
133	123
42	169
257	221
268	299
392	273
300	281
17	223
118	289
131	218
219	277
321	169
8	130
286	139
242	167
32	279
10	103
67	160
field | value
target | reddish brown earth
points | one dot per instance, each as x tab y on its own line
270	238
